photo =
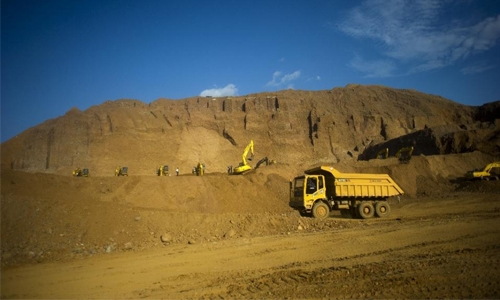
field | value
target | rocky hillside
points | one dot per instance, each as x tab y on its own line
298	128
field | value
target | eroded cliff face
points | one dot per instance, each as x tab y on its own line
291	127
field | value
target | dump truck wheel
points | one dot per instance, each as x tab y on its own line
320	210
382	209
366	210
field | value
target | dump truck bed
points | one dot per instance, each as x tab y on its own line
356	185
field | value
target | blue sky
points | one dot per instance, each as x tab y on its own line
59	54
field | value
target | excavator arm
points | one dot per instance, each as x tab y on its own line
249	148
265	160
243	166
488	168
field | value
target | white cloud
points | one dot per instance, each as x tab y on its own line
275	80
414	32
317	78
477	68
279	79
228	90
374	68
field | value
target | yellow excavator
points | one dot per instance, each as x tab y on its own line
81	172
162	171
200	169
244	166
121	171
404	155
484	174
383	154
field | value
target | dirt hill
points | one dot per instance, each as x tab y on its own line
73	237
47	217
45	209
296	128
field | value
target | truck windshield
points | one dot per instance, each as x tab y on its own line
311	185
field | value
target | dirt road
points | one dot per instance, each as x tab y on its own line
429	248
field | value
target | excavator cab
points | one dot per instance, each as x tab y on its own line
404	155
121	171
81	172
162	171
383	154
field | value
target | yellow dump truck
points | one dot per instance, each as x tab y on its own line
324	189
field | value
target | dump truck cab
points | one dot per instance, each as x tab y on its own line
324	189
307	189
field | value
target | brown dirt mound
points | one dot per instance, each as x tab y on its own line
50	217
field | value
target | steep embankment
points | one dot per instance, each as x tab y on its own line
482	136
299	128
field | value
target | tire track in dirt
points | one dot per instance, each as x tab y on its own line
380	274
413	277
394	264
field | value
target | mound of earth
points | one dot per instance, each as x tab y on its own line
49	217
190	234
298	128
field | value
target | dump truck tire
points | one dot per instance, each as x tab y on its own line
366	210
382	209
320	210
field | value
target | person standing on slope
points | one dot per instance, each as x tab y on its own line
177	171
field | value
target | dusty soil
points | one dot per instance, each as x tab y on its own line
221	236
446	247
